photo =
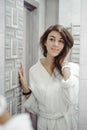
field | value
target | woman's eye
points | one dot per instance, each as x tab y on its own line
51	39
61	41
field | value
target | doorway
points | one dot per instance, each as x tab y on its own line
31	35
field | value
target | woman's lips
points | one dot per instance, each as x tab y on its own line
55	49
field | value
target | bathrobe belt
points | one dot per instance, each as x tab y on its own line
56	117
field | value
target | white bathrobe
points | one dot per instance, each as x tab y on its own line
54	100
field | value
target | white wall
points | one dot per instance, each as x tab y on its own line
69	12
83	69
65	12
76	12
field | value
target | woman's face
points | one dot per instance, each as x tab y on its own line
54	44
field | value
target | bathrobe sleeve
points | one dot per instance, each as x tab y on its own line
70	92
71	85
31	104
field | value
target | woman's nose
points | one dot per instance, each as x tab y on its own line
56	43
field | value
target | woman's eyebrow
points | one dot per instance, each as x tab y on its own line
52	36
61	38
55	37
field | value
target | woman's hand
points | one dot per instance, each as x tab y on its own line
22	78
23	82
65	68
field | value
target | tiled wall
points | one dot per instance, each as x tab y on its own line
83	69
13	52
2	36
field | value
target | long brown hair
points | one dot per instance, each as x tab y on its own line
68	44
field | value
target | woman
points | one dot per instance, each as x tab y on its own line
52	93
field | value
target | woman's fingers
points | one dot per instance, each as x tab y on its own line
22	70
20	74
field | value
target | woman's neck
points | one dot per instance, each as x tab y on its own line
48	64
49	61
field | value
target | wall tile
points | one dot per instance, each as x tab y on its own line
83	15
83	102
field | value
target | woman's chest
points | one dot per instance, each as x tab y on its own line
50	85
